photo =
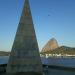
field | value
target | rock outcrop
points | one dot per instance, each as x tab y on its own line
63	50
51	45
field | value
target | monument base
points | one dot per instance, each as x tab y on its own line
25	73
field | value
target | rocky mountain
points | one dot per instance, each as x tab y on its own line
51	45
62	50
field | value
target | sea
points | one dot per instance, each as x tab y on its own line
58	61
4	59
66	62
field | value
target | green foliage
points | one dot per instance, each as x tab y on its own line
61	50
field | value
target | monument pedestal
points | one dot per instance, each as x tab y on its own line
24	73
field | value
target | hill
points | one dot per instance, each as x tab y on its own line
61	50
50	45
3	53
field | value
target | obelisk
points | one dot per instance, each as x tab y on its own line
24	56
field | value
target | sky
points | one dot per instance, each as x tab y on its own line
51	18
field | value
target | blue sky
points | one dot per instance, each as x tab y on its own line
52	18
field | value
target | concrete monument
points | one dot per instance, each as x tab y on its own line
24	56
